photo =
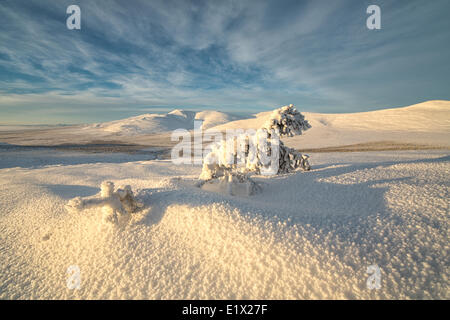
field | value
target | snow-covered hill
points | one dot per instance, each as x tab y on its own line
421	125
424	123
157	123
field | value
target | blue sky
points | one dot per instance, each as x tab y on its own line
140	56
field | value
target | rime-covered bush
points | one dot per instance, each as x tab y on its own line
291	159
287	121
242	153
251	151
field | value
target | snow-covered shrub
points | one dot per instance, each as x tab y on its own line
115	205
260	151
291	159
287	121
247	152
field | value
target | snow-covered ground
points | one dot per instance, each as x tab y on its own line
306	235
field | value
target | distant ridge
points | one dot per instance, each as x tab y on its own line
412	127
158	123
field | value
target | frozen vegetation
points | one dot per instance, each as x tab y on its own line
116	205
236	157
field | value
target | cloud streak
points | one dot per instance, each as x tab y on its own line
232	55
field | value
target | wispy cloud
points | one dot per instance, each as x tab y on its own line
234	55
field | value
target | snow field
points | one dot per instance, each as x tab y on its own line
306	235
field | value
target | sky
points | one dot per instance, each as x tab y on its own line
146	56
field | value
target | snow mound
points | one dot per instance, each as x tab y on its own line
232	184
158	123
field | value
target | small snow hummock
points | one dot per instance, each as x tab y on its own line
116	205
249	152
231	183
